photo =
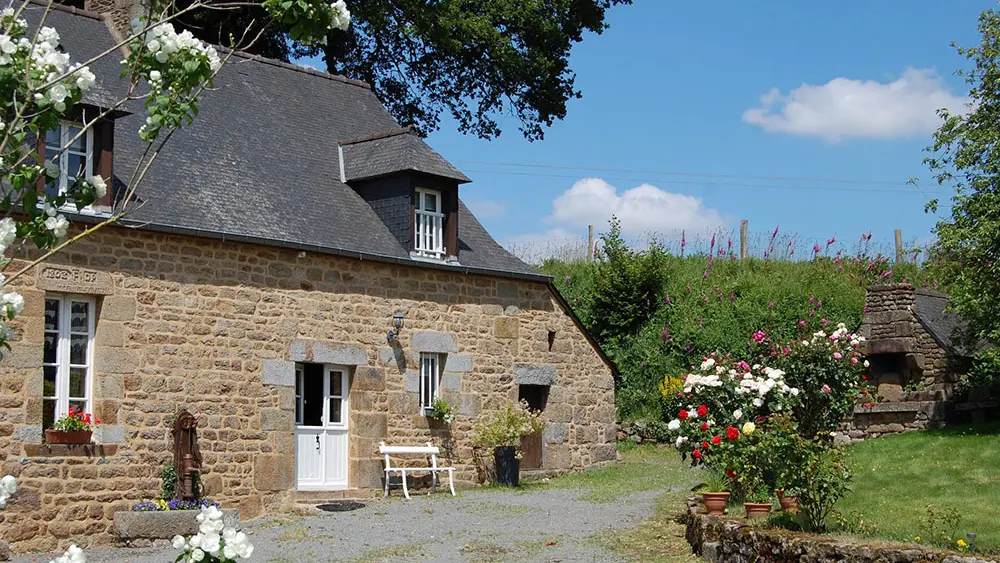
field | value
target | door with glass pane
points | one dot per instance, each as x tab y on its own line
321	427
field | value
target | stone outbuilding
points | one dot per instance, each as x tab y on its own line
303	277
915	359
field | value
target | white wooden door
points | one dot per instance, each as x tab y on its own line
321	395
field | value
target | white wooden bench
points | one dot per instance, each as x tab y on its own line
428	451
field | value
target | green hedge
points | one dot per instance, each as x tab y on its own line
695	308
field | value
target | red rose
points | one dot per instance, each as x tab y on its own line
716	440
704	445
704	426
864	378
696	454
702	410
730	473
732	433
682	415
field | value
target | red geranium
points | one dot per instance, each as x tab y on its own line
730	473
696	454
704	426
732	433
682	415
716	440
704	445
702	410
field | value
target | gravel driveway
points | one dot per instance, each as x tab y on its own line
538	524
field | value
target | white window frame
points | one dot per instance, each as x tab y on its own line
64	137
428	226
300	375
430	379
62	364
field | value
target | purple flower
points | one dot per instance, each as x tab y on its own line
824	321
684	242
812	299
566	280
729	244
595	250
711	246
732	296
668	300
704	276
819	303
665	334
759	336
816	248
775	233
831	240
689	287
771	304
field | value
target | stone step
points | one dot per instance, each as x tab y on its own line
320	497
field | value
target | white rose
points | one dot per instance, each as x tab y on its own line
179	542
866	363
100	186
197	555
737	414
674	424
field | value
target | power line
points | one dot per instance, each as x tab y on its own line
690	174
706	184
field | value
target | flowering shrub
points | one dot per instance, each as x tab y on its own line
506	426
8	486
72	555
214	542
441	410
161	505
75	421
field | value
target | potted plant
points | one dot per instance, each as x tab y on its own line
788	500
76	427
715	494
441	410
501	431
757	502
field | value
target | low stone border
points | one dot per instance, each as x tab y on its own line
727	539
139	529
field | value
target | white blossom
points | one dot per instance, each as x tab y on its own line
674	424
737	414
58	225
341	15
707	364
100	186
13	301
73	555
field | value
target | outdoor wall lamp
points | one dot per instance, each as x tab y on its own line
397	325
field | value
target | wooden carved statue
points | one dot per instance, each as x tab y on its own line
187	455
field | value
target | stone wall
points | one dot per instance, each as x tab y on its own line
215	327
730	540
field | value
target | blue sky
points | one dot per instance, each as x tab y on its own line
667	88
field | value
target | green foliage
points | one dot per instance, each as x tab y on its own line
822	479
718	311
506	426
966	154
940	525
168	482
472	61
985	370
626	287
441	410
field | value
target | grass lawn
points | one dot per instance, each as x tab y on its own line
897	477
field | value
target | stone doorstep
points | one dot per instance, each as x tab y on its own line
320	497
164	525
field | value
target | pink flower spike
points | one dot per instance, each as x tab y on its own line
771	304
816	248
712	244
831	240
775	233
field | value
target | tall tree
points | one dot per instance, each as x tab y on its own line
475	60
966	154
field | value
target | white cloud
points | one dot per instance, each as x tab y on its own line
845	108
485	209
642	209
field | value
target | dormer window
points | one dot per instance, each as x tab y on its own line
428	224
76	161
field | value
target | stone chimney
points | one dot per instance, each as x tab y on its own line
118	14
888	316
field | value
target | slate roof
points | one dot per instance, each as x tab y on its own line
396	150
930	308
261	162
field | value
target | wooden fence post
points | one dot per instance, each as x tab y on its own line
899	246
743	239
590	243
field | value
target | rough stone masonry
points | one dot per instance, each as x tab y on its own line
217	327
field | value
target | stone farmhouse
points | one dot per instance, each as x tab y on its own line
280	242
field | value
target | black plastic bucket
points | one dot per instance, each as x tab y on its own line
508	466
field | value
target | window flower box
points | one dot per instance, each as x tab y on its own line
68	436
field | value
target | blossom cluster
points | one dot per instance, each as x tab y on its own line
8	486
161	505
214	542
72	555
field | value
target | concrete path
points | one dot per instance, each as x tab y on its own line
538	524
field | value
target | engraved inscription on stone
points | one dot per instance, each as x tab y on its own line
75	280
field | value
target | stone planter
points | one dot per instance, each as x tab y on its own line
68	436
789	503
164	525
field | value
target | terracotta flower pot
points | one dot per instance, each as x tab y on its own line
789	503
715	503
757	509
68	437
